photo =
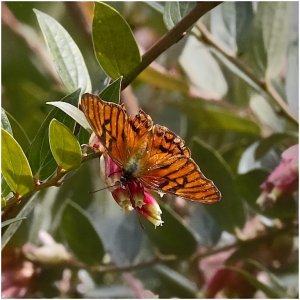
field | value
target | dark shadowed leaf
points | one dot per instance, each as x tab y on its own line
283	140
206	227
81	235
112	92
249	187
67	57
64	146
15	167
127	240
173	237
39	153
229	213
175	11
115	47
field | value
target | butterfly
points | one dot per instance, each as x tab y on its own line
149	154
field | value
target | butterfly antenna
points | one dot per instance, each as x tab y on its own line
107	187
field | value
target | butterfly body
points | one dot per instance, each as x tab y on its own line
150	155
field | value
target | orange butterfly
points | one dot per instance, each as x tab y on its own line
151	155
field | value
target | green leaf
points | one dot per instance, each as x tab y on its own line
10	221
115	47
39	153
270	292
64	146
67	57
18	132
173	237
275	19
73	112
175	11
215	168
156	5
81	235
5	122
208	116
112	92
249	187
15	166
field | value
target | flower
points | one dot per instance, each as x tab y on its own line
283	180
131	196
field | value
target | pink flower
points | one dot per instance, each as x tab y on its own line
130	196
283	180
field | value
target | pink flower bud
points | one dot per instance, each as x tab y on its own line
283	180
122	197
151	210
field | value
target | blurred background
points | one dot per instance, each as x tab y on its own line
229	88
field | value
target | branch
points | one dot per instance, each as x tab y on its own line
170	38
265	86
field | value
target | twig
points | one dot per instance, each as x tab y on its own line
170	38
265	86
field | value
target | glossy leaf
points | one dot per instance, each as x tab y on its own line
173	237
64	146
115	47
209	78
112	92
175	11
214	167
5	122
275	28
73	112
15	166
66	55
39	153
81	235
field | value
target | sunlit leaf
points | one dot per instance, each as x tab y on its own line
115	47
64	146
81	235
73	112
66	55
15	166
